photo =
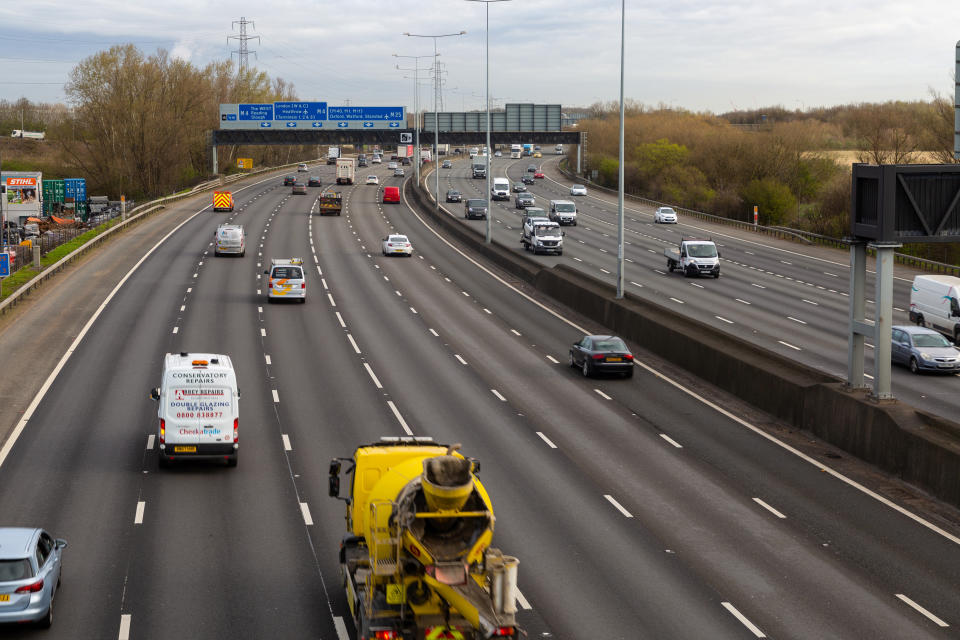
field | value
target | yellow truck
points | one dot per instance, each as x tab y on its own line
416	559
329	203
222	201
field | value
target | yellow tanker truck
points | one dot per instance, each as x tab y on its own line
416	560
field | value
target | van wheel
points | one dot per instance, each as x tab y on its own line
162	461
232	461
913	366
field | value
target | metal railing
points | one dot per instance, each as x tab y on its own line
783	233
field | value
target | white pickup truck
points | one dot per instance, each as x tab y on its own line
694	256
541	235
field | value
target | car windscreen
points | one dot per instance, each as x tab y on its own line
476	204
546	230
702	251
930	340
453	193
18	569
230	234
565	207
290	273
397	239
610	344
667	210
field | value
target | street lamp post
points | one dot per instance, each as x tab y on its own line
620	278
489	150
436	116
416	108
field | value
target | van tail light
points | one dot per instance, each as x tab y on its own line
236	430
270	285
31	588
504	632
303	285
163	431
385	635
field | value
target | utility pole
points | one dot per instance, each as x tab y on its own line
243	53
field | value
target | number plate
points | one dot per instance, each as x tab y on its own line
185	449
4	597
614	359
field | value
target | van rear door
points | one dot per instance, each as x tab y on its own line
199	417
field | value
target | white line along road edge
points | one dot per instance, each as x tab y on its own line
21	425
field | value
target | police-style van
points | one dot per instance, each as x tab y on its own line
199	414
286	280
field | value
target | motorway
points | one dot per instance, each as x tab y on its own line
638	508
782	296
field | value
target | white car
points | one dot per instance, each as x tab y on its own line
398	172
373	180
396	244
578	190
497	154
376	160
302	168
665	215
286	280
391	165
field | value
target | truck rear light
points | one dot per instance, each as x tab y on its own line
503	632
163	431
31	588
236	430
385	635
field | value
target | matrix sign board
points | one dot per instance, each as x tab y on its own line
309	115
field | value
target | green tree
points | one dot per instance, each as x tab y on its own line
774	199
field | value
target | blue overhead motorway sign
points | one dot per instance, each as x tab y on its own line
309	115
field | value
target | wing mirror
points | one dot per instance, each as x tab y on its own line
334	488
155	393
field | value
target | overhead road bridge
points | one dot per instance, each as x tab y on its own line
221	137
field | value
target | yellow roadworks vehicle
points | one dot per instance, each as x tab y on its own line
416	559
222	201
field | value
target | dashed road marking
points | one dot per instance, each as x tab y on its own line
460	358
340	320
150	441
373	376
619	507
396	414
305	511
276	396
603	395
769	508
787	344
124	627
286	442
547	440
263	332
739	616
353	343
138	518
722	319
937	621
671	441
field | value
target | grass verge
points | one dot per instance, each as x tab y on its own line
26	273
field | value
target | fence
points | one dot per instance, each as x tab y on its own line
783	233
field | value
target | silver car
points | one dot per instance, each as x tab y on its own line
29	575
665	215
578	190
923	349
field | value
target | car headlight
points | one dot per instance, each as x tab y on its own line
925	356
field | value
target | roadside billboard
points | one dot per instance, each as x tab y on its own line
23	193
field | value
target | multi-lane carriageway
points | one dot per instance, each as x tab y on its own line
783	296
639	508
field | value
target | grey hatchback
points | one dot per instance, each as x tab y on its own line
923	349
29	575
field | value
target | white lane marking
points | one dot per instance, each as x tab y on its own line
722	319
619	507
867	375
868	345
276	396
896	308
816	304
340	319
305	511
323	281
341	628
460	358
514	332
124	627
176	329
522	601
758	286
677	301
937	621
832	275
636	284
318	270
785	262
332	303
412	310
739	616
750	252
787	344
398	293
498	394
796	320
138	518
671	441
267	359
694	284
353	343
578	259
189	289
769	508
437	335
465	293
263	332
604	270
182	307
259	309
663	273
258	291
286	442
742	301
396	414
150	439
373	376
603	395
547	440
194	275
485	310
763	434
553	360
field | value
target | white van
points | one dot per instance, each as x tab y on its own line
230	239
286	280
199	415
500	189
563	212
935	303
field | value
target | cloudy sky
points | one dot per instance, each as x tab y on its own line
702	55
